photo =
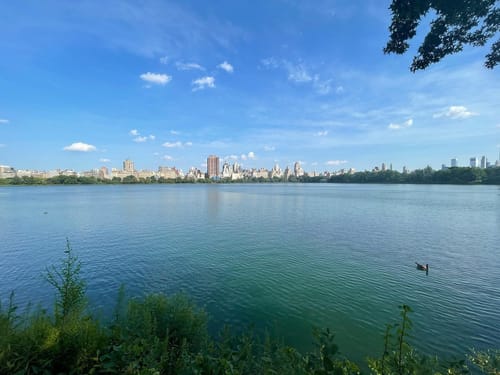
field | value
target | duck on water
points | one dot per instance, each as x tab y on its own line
422	267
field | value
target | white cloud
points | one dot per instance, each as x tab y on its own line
455	112
234	157
4	121
339	89
141	139
321	133
172	144
404	125
188	66
164	60
226	66
249	156
203	82
298	73
270	63
167	157
314	163
269	148
80	147
156	78
104	160
174	132
177	144
322	87
336	162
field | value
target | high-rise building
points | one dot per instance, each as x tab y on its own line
454	162
213	166
484	161
128	166
297	169
474	162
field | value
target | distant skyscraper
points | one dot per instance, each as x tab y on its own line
484	161
383	167
473	162
128	166
213	166
454	163
297	169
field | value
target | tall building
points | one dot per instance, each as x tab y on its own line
474	162
213	166
297	169
484	161
128	166
454	162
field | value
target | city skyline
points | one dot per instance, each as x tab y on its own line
169	82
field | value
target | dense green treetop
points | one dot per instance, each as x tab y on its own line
456	23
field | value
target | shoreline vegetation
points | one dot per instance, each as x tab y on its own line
157	334
449	176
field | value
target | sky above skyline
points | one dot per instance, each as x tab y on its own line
91	83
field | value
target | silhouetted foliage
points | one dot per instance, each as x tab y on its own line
456	23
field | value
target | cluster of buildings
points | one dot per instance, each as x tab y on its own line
235	171
214	171
475	162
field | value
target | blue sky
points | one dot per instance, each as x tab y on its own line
91	83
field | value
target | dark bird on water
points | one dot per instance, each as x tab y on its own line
421	267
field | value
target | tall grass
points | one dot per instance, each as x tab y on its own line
168	335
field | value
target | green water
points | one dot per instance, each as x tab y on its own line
283	257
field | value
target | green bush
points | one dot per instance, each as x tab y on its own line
168	335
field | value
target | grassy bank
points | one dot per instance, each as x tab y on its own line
168	335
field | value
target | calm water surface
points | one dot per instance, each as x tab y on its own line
288	257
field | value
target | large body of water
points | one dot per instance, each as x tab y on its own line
289	257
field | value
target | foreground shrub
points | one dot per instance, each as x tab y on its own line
168	335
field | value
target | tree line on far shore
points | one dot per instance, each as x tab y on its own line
451	176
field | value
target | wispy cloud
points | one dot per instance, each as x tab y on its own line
80	147
269	148
167	157
455	112
298	73
164	60
336	162
4	121
321	133
226	66
188	66
203	82
141	139
175	132
156	78
404	125
177	144
104	160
